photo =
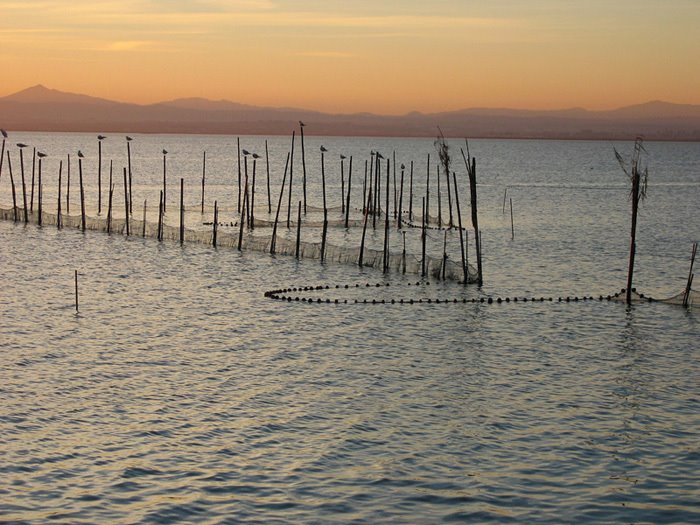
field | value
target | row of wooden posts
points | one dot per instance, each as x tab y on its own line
372	206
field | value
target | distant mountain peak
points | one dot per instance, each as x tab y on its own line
41	94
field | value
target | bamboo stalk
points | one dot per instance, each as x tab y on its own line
68	187
410	196
243	215
159	234
364	189
252	197
76	291
128	153
39	220
342	185
303	163
439	198
512	226
99	175
423	239
426	211
386	222
323	235
400	217
238	145
449	196
165	184
393	160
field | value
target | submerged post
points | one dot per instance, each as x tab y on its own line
215	225
143	230
267	166
99	173
689	284
470	163
159	234
303	161
459	223
82	191
126	202
76	291
24	186
512	225
58	200
347	202
204	175
291	175
296	253
273	241
39	191
12	183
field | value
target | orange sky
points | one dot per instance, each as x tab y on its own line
340	56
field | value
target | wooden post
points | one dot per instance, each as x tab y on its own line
109	204
459	223
267	165
512	226
31	199
215	225
423	239
165	170
449	196
126	202
24	186
689	283
386	221
371	179
2	155
99	175
364	189
12	183
128	154
296	253
68	187
400	217
291	174
403	252
143	231
410	196
376	207
505	191
637	194
58	200
39	196
323	177
161	204
252	197
444	253
342	184
347	202
439	198
76	291
82	194
426	211
279	205
238	145
393	160
182	211
204	175
470	163
243	215
364	227
324	232
303	162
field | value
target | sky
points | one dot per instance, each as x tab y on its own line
387	57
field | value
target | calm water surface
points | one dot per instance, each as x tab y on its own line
181	394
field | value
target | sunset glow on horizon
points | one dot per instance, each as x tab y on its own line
333	56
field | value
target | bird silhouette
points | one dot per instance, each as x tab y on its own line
379	155
342	157
128	138
4	133
301	124
101	137
21	145
323	148
403	167
40	154
165	152
80	154
245	152
256	156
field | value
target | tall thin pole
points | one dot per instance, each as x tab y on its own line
58	200
400	216
31	199
243	215
291	174
342	184
68	188
204	175
2	156
39	199
423	239
128	153
143	230
238	146
165	170
410	196
386	221
126	202
76	291
99	175
426	210
689	283
347	202
303	162
215	225
461	238
279	205
24	186
82	194
512	225
364	227
267	166
182	211
296	253
12	183
252	196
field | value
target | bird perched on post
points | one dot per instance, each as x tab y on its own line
245	152
165	152
4	133
379	155
342	157
129	138
101	137
21	145
323	148
256	156
80	154
40	154
301	124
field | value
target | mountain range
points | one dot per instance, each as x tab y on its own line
42	109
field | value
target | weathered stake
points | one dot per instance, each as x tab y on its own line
204	175
347	202
215	225
291	175
273	241
182	211
12	183
512	226
126	202
143	231
267	166
296	253
82	194
461	238
58	200
24	186
76	291
689	284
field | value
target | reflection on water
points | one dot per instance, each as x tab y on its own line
180	394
